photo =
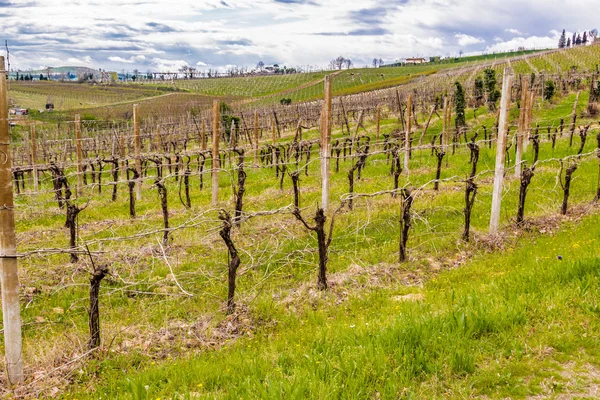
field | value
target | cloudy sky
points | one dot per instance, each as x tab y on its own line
164	35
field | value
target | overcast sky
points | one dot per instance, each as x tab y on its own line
163	35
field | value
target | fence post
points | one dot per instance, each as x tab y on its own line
325	140
137	146
377	126
255	143
521	131
215	154
444	139
79	155
407	135
34	158
500	152
157	141
203	136
8	260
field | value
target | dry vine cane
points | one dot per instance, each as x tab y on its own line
405	222
566	185
471	187
363	153
323	239
241	188
99	272
234	258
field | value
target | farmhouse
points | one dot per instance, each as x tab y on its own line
415	60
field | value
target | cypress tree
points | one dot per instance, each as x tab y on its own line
569	42
562	42
574	39
459	106
489	82
578	42
584	39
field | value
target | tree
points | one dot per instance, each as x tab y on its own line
478	91
549	90
338	63
578	41
593	35
380	62
375	63
584	40
260	66
348	63
562	42
569	42
489	83
459	107
460	53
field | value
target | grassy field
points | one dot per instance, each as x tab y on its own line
457	320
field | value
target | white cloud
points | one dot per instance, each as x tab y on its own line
513	31
201	64
165	65
537	42
466	40
130	60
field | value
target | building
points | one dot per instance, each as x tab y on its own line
415	60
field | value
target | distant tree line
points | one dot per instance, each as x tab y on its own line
578	39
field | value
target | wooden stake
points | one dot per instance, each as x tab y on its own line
521	131
137	149
215	154
407	135
445	123
34	158
325	141
122	153
8	249
255	143
203	136
79	156
528	119
500	153
157	140
377	126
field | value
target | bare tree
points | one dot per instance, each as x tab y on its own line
338	63
260	66
348	63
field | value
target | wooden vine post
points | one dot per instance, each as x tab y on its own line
11	316
34	158
255	142
500	152
407	135
377	126
215	154
79	155
203	136
137	148
528	119
522	129
325	143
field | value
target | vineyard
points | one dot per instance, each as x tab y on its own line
381	235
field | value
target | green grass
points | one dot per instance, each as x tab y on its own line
499	326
